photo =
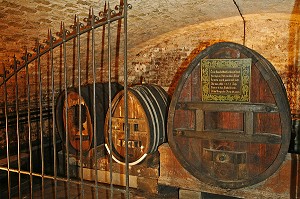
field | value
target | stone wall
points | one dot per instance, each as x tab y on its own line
274	36
163	38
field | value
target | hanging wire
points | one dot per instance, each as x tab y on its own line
244	21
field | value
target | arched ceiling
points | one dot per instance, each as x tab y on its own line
23	22
152	18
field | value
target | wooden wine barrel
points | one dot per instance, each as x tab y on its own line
73	123
147	117
229	121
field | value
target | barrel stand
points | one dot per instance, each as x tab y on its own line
279	185
143	176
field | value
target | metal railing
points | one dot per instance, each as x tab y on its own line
82	55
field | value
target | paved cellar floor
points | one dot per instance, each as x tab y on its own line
87	192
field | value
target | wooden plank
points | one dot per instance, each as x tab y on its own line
187	194
229	135
14	158
249	123
199	120
130	120
228	107
104	177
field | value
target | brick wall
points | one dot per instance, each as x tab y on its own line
164	37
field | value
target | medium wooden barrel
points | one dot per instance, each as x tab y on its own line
73	124
229	121
147	116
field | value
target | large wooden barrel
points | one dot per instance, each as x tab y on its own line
73	124
229	120
147	117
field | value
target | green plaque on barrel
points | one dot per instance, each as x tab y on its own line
225	80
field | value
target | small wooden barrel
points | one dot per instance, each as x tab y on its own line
229	120
147	113
70	120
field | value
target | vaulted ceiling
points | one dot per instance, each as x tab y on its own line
23	22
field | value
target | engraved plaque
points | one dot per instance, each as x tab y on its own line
226	80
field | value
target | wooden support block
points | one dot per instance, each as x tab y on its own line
104	177
276	186
188	194
149	185
143	176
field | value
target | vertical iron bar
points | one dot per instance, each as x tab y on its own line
53	115
74	55
41	116
87	54
18	131
118	38
94	100
110	100
102	47
125	98
66	106
60	61
80	110
6	134
29	122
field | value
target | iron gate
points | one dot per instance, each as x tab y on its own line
88	52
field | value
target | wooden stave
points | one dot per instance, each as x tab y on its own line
160	98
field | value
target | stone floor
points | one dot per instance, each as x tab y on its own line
88	192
